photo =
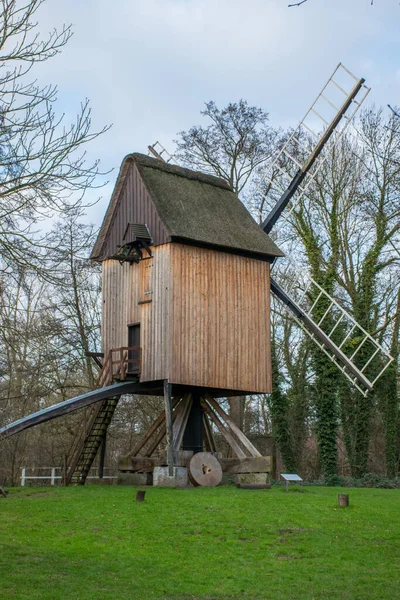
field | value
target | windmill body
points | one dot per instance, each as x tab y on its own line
197	301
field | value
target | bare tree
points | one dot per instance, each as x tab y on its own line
43	165
237	140
75	299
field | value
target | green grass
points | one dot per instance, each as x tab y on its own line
218	543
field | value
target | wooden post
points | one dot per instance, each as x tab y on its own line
343	500
65	469
193	433
168	420
102	456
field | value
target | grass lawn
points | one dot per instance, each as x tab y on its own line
96	542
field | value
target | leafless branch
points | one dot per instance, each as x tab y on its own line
297	3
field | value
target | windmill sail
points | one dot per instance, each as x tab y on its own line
295	167
335	331
353	350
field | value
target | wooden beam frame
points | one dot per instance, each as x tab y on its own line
209	441
181	420
151	431
223	430
252	450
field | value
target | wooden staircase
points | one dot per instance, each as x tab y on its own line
92	429
91	434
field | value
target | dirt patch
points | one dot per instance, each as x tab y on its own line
293	530
39	494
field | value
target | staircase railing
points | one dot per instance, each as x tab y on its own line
115	366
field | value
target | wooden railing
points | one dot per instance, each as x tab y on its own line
116	364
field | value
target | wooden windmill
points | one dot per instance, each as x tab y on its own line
185	295
186	301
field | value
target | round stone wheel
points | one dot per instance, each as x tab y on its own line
204	469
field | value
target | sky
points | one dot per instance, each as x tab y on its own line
148	66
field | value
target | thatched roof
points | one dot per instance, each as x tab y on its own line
193	207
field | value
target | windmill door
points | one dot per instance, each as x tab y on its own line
134	354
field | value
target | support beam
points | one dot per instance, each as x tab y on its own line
151	431
181	421
208	434
169	424
252	450
223	430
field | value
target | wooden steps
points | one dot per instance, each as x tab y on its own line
92	429
91	434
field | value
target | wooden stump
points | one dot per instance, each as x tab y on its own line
140	494
343	500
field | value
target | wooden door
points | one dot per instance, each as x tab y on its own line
134	341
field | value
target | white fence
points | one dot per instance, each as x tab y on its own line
54	475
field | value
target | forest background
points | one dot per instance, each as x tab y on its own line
345	231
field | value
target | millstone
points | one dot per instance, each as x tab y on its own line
204	469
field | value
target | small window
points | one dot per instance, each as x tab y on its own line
146	285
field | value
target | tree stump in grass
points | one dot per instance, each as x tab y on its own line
140	494
343	500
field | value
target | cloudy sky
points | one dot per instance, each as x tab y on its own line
148	66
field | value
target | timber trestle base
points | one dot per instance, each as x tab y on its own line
184	428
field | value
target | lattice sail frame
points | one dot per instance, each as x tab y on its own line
281	171
337	324
157	150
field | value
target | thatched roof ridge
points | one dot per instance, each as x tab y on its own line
193	207
154	163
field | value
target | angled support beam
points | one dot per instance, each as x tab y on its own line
252	450
208	435
160	436
181	420
223	430
151	431
96	357
68	406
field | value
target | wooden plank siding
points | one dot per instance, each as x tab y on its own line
208	321
220	313
120	289
134	206
155	319
122	306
